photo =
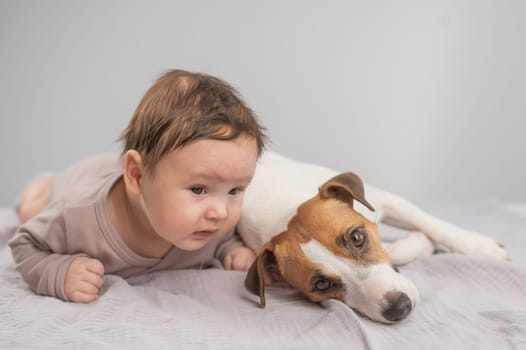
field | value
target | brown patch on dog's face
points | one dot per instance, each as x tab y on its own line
334	224
300	272
341	229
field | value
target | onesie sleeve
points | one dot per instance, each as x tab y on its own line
39	249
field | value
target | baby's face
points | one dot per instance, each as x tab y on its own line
196	192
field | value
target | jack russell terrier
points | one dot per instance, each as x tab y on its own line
326	244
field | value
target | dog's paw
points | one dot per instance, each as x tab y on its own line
409	248
476	244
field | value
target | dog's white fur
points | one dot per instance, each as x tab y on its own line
281	184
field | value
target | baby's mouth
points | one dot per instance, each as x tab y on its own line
204	233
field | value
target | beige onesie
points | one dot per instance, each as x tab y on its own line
77	223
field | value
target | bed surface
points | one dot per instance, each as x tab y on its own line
466	303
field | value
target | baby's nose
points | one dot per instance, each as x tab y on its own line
217	210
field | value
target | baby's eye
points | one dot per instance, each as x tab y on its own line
235	191
197	189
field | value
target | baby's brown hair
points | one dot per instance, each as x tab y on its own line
182	107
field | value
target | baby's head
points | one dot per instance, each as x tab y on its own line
182	107
190	150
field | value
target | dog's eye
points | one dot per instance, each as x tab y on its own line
354	239
357	237
323	284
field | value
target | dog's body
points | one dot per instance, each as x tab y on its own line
325	242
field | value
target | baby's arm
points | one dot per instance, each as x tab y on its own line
40	252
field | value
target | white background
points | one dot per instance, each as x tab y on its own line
423	98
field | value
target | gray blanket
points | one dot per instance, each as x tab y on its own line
466	303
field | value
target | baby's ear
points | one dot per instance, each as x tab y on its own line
133	171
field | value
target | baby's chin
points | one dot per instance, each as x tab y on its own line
191	245
196	242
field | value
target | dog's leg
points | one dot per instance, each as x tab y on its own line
414	245
398	212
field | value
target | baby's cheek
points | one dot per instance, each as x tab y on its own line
234	215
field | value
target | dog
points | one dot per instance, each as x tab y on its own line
314	229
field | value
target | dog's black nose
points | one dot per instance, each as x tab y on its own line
398	306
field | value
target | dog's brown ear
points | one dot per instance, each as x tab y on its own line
345	187
263	271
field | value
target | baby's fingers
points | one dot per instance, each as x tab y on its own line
83	297
227	262
83	290
88	287
241	263
93	279
95	266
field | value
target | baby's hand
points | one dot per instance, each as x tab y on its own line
239	258
83	280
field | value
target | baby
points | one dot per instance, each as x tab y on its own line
170	201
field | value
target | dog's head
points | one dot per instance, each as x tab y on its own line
330	251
